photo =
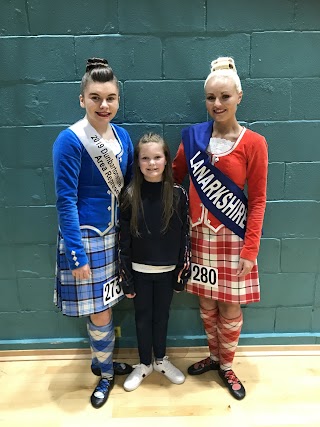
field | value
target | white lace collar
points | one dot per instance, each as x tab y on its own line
220	146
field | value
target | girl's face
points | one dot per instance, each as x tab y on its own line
222	98
152	161
101	102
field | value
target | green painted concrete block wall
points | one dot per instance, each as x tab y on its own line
161	53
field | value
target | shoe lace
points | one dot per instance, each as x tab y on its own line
103	386
203	362
231	377
140	369
168	366
119	365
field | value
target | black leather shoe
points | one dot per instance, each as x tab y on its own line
233	383
118	368
95	369
121	368
101	392
203	366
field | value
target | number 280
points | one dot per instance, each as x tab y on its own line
204	275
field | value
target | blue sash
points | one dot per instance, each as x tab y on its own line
219	194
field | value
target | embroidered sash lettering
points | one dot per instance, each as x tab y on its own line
219	194
103	157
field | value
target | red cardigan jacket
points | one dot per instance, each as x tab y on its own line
245	163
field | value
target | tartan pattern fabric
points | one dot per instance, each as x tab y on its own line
84	297
102	345
221	250
228	336
209	319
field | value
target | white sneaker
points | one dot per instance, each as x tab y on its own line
139	373
169	370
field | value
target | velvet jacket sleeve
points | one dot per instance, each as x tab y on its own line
128	175
257	169
179	165
125	247
67	155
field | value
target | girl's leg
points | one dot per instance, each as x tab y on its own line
101	335
209	313
209	318
143	317
229	328
163	292
95	368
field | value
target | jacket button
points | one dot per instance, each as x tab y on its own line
209	222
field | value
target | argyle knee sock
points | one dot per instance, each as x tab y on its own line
228	336
94	360
95	367
102	345
209	319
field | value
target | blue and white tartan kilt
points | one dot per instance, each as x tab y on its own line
84	297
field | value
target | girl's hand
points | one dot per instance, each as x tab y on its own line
244	267
82	273
130	295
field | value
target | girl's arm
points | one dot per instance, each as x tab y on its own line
128	175
183	268
179	165
257	170
125	260
67	153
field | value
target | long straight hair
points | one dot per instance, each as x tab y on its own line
132	194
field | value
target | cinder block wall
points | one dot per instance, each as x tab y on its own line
161	53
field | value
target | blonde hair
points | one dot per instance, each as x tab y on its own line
224	66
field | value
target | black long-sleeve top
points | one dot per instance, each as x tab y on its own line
153	247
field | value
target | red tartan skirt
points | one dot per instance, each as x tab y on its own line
221	251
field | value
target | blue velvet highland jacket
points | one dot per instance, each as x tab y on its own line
83	198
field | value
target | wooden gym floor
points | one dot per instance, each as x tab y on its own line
51	388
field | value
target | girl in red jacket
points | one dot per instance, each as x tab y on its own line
221	157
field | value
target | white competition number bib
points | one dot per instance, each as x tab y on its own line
111	291
204	275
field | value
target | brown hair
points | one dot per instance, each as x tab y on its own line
132	194
97	70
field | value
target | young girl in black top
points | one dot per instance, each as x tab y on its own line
154	253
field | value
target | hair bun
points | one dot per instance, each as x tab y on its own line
223	63
96	63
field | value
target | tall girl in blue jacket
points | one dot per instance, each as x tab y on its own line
92	160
